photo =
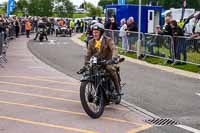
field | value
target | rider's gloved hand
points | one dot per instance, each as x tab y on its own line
82	70
112	61
115	60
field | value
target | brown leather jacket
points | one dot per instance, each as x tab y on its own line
107	50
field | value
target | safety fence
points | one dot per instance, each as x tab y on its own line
5	37
3	48
174	49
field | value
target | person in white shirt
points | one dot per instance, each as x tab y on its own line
123	35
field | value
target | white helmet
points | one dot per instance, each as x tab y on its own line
98	26
94	22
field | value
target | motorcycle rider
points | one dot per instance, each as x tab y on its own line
104	48
42	26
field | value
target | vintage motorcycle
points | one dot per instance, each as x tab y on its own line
64	30
97	89
42	33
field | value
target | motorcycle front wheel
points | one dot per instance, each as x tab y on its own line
93	105
41	38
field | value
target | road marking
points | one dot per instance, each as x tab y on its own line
117	108
139	129
36	67
198	94
54	98
193	130
46	124
40	96
49	77
38	87
40	79
67	111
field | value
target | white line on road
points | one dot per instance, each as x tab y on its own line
198	94
188	128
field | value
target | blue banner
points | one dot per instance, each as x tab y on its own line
121	2
10	6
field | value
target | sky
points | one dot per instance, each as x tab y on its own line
76	2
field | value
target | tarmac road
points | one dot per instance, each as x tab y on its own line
36	98
165	94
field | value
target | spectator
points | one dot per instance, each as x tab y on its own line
107	23
81	26
17	27
113	26
167	30
72	25
23	30
89	32
179	41
132	27
28	27
77	25
155	40
123	35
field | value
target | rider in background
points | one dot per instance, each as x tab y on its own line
41	26
61	22
104	48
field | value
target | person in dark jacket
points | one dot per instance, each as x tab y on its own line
112	26
104	48
179	41
155	41
132	26
132	37
3	27
167	30
17	27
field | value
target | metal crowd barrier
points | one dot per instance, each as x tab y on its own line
3	49
126	41
186	50
4	41
158	46
175	49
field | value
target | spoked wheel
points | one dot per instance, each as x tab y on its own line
93	105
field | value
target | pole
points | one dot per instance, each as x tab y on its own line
183	9
8	10
139	29
84	5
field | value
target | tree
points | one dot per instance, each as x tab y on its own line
3	9
102	3
64	8
21	4
40	7
95	11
